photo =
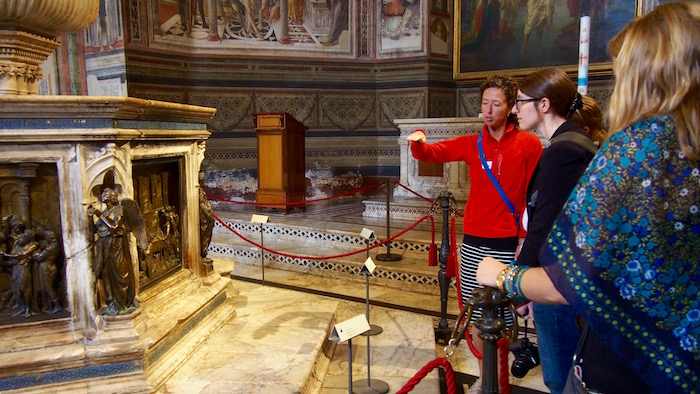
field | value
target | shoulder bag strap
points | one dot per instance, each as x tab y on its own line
577	138
574	381
500	190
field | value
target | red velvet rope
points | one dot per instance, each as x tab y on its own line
320	257
423	197
299	202
442	362
452	269
438	362
432	250
503	350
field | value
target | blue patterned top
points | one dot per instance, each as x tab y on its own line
625	250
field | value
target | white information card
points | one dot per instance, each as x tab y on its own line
349	329
259	218
369	265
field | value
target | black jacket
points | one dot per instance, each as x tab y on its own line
556	175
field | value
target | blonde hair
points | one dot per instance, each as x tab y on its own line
657	72
590	116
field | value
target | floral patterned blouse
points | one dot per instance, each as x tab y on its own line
625	253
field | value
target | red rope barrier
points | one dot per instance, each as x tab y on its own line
318	257
432	249
503	349
438	362
424	198
298	202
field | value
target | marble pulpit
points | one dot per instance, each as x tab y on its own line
57	154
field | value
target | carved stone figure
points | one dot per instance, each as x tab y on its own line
163	250
206	224
45	270
20	259
112	263
5	276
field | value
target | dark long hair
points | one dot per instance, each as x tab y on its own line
556	85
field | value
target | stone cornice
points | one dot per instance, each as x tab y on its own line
100	107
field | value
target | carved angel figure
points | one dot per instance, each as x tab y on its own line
112	263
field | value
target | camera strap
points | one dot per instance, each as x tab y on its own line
500	190
574	380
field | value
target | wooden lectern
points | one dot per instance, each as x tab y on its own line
281	161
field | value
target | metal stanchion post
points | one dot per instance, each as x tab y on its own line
373	328
388	256
367	270
262	219
262	254
350	366
442	332
370	386
491	327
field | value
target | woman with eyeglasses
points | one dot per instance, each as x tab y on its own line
624	250
511	155
547	101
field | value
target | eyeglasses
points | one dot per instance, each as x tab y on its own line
525	100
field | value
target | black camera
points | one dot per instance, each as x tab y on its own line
526	357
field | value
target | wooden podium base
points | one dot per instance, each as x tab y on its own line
279	200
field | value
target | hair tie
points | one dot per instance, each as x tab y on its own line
576	104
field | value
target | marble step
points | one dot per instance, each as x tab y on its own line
292	241
342	288
181	314
278	343
133	353
317	233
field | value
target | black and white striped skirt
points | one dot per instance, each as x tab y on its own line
471	256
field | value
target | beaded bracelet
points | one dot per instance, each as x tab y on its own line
517	285
511	290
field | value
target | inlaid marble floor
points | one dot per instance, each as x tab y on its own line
275	343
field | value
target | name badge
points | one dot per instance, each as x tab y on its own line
488	163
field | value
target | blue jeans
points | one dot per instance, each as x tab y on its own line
557	338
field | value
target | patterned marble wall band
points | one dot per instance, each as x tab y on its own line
351	141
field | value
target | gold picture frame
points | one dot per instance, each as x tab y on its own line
515	40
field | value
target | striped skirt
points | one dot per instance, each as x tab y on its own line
471	256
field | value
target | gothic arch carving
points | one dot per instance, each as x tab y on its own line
99	162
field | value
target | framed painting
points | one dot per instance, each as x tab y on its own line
644	6
517	37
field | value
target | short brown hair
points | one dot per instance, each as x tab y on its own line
504	82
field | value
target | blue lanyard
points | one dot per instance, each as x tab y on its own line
500	190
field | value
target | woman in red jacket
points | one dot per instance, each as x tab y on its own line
490	229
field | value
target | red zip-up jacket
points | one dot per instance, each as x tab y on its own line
513	159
